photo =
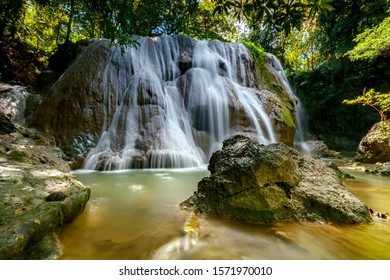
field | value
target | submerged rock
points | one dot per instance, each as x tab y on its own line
375	146
379	169
268	184
38	196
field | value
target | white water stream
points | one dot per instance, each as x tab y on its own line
301	122
168	118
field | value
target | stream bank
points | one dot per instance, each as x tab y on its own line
38	196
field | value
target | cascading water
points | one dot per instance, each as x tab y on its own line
301	135
166	115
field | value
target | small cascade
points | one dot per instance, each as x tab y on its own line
159	114
302	131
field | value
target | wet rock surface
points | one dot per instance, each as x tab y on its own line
118	102
379	169
6	126
375	146
268	184
29	221
318	149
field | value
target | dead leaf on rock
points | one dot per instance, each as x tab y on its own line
20	210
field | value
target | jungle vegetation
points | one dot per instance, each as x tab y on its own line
331	50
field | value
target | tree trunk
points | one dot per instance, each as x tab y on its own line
69	29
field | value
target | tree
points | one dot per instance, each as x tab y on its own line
298	51
339	27
10	12
120	19
69	25
372	42
269	18
380	102
205	24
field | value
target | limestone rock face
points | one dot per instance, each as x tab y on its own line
38	196
375	146
166	103
72	111
268	184
14	102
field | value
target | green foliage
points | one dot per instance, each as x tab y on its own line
318	6
257	51
298	50
10	12
205	24
269	19
372	42
44	24
323	76
323	89
380	102
339	27
34	27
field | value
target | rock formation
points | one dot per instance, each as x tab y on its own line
38	195
317	149
375	146
170	102
268	184
14	103
379	169
30	218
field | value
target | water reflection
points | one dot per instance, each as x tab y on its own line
134	215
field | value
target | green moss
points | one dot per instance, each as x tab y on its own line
384	130
286	117
21	157
257	51
270	82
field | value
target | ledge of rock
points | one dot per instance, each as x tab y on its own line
268	184
38	196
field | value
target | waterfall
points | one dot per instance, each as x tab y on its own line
302	131
166	113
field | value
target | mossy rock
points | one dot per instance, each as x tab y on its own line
267	184
29	224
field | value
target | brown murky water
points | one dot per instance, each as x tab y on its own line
134	215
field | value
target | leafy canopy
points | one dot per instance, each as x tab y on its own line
339	28
268	18
372	42
256	50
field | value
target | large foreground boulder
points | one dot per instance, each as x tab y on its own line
375	146
268	184
38	196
